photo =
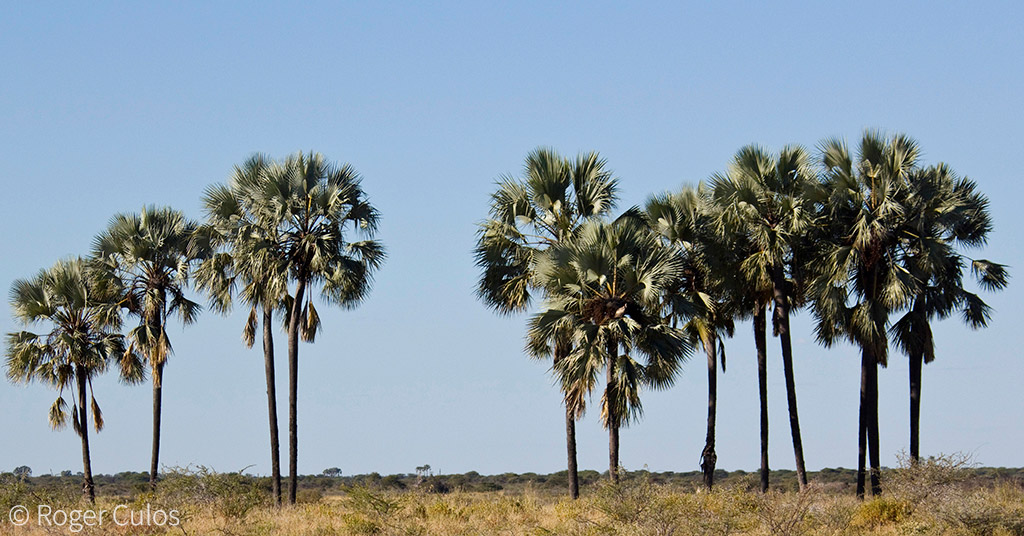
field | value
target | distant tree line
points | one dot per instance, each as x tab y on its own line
131	484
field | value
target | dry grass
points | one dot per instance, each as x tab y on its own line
929	498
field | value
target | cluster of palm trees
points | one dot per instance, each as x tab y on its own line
856	239
276	233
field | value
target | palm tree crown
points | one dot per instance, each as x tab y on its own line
247	263
527	216
150	255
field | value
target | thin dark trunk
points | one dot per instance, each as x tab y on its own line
781	318
613	418
293	390
920	336
760	336
562	350
708	458
862	428
158	386
869	397
570	445
873	455
916	363
88	488
275	444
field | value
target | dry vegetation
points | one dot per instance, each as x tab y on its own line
935	497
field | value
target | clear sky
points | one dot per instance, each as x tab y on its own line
107	107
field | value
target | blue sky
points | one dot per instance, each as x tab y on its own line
109	107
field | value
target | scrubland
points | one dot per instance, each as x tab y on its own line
936	496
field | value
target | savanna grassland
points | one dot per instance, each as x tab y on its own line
935	496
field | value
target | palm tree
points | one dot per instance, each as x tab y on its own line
527	216
770	202
605	290
83	319
701	298
149	256
944	211
308	206
860	279
233	222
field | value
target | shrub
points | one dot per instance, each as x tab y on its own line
882	511
624	503
929	480
786	514
229	495
997	511
377	505
436	484
309	496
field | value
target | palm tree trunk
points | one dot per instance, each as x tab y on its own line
873	454
916	363
88	488
561	351
708	458
613	453
862	428
293	390
867	437
920	338
158	385
760	336
275	444
613	419
570	445
781	318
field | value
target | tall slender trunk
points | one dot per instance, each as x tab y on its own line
867	361
88	488
708	458
916	364
872	425
570	446
867	437
275	444
919	332
293	390
158	386
613	419
760	336
562	351
781	318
